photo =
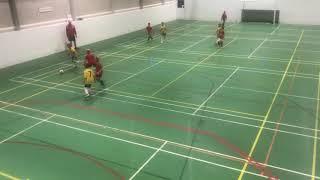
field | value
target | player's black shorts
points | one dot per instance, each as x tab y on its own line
87	85
72	38
163	34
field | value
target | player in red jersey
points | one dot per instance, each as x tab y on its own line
149	31
220	35
71	33
90	59
99	71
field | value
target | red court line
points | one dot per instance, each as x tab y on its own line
133	117
284	107
114	173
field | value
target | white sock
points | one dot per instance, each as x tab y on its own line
86	91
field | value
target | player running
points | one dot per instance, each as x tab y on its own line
88	80
149	31
99	71
163	32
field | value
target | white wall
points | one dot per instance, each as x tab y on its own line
20	46
260	4
299	11
211	10
291	11
5	16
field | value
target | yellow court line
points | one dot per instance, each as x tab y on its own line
8	176
316	136
269	110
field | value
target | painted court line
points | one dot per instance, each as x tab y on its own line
243	68
314	157
133	75
77	86
276	29
269	92
14	88
193	67
303	75
237	56
47	67
98	125
150	158
26	129
194	44
270	108
8	176
257	48
182	112
131	142
212	94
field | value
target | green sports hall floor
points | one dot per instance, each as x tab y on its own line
180	110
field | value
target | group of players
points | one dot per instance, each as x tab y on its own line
93	68
91	62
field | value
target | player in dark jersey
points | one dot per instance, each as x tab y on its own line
99	71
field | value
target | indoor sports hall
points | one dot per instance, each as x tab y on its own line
159	90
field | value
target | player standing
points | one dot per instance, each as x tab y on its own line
224	18
163	32
99	71
90	59
149	31
88	80
71	33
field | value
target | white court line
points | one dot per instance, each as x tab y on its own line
127	141
182	112
243	68
42	68
17	87
129	77
269	92
315	146
193	67
26	129
115	129
257	48
275	29
258	136
150	158
212	94
183	106
194	44
231	55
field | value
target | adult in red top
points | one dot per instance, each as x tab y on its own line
149	31
90	59
224	18
71	33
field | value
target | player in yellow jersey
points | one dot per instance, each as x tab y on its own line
72	53
163	32
88	76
